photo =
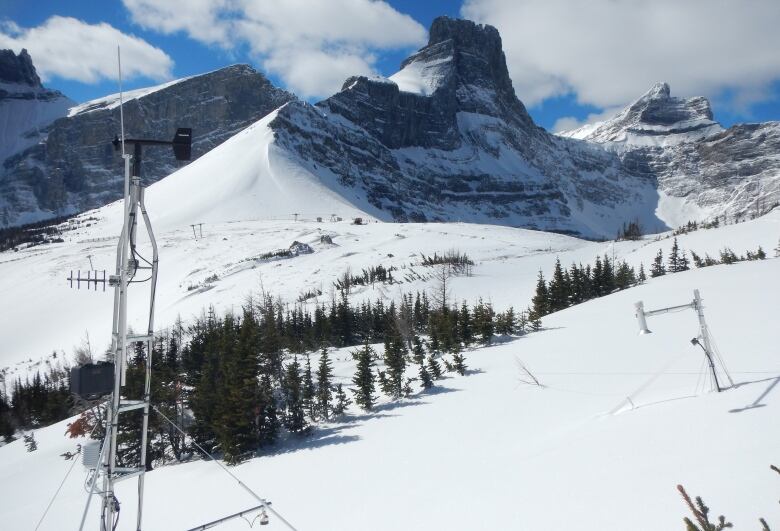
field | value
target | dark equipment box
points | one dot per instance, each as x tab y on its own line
92	380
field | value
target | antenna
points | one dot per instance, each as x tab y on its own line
128	263
121	100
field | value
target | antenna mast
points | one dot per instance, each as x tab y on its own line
128	262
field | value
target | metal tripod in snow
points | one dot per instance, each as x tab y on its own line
703	340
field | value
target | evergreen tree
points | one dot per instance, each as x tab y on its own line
418	350
558	295
434	368
267	415
324	375
30	443
342	402
541	301
395	363
309	392
459	362
425	377
237	426
642	278
364	378
483	322
658	269
674	257
295	413
465	330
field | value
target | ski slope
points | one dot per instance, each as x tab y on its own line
620	421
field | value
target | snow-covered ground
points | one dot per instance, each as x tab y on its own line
620	421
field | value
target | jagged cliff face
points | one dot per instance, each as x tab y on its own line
711	171
26	106
446	138
76	168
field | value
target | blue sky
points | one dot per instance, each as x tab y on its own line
566	74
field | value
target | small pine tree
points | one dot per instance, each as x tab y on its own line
407	388
674	257
342	401
658	269
434	368
642	277
701	513
295	418
459	362
425	377
418	350
308	391
364	378
30	443
324	394
541	299
395	362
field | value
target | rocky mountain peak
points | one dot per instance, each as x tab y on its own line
658	107
465	34
18	69
655	118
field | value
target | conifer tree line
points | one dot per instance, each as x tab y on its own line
40	401
236	384
578	284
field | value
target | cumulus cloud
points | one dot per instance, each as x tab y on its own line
69	48
609	52
312	45
568	123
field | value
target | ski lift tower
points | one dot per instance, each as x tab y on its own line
128	263
703	340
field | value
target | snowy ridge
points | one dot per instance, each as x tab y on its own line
112	100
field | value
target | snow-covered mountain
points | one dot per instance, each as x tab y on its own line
655	119
443	139
446	138
26	106
705	169
74	167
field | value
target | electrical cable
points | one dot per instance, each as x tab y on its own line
263	502
57	492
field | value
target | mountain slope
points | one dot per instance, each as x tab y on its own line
76	169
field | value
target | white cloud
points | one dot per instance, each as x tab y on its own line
609	52
71	49
312	45
568	123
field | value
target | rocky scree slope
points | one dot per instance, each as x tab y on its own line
75	168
